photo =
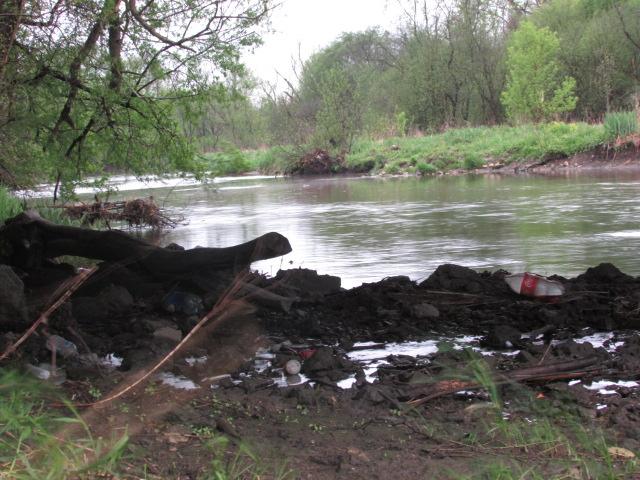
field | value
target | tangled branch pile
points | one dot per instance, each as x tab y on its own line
139	212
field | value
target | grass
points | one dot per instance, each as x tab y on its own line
620	124
37	443
10	206
530	437
471	148
460	148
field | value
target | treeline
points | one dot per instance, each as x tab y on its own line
464	63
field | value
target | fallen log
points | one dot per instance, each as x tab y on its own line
28	241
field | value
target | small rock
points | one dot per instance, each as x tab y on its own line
502	336
425	311
168	333
13	307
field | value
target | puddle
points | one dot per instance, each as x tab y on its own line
599	339
603	386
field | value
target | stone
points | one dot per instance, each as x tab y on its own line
425	311
454	278
168	333
112	300
322	360
307	282
502	336
13	306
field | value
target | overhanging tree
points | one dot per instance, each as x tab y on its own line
89	84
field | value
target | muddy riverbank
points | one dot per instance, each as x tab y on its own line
398	378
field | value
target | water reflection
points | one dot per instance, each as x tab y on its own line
364	229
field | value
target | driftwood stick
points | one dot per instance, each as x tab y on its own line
545	373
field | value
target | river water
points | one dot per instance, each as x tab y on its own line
363	229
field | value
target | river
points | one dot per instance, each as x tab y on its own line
363	229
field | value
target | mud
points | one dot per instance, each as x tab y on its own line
367	353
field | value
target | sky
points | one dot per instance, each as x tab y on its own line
306	26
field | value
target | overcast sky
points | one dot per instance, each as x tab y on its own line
310	25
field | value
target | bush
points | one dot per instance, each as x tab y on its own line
620	124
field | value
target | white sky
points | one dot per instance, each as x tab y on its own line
309	25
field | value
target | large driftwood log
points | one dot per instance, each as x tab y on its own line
28	240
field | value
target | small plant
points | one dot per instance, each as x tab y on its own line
316	427
94	392
203	432
619	125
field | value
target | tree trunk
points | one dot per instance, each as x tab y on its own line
27	241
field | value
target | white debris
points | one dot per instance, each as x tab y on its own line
177	381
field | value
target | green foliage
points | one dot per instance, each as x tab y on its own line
36	443
425	168
10	206
110	91
620	124
474	147
337	120
402	124
228	161
472	160
536	89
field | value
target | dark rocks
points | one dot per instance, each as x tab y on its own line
454	278
13	306
502	336
112	301
424	311
327	363
305	283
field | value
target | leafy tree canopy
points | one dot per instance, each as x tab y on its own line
89	85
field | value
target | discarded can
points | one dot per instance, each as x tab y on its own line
61	346
292	367
306	353
532	285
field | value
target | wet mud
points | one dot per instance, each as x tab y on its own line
397	378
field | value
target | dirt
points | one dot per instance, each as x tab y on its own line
599	159
424	337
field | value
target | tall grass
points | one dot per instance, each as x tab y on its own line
620	124
36	443
10	206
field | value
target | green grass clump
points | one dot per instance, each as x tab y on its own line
620	124
37	443
10	206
